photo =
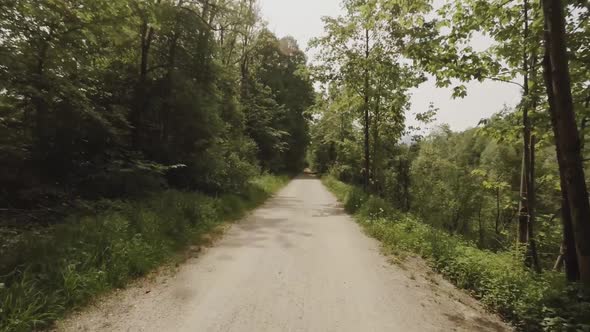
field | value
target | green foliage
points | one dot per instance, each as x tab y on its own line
277	92
376	208
468	183
90	93
144	103
354	200
446	183
336	143
42	276
500	281
366	83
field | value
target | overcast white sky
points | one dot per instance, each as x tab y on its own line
302	20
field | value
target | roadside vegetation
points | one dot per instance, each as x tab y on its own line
531	301
502	208
128	128
44	275
519	176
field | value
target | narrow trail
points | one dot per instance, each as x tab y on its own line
298	263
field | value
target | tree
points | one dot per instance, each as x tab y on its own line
565	129
357	52
110	100
279	92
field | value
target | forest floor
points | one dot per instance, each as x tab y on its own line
298	263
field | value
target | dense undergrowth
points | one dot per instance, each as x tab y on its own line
45	275
532	302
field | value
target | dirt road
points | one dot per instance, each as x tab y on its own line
298	263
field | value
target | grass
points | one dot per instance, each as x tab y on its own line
47	275
532	302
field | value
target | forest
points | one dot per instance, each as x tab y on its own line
125	127
128	128
501	209
113	98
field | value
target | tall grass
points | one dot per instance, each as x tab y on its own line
46	275
532	302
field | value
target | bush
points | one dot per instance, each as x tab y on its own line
354	200
376	208
45	275
343	173
533	302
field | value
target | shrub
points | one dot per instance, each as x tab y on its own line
375	208
343	173
354	200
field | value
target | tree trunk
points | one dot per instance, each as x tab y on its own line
403	185
560	259
367	167
527	211
566	132
166	110
147	35
244	76
406	176
523	219
572	270
523	204
245	59
41	137
532	254
480	227
570	256
568	249
497	225
376	120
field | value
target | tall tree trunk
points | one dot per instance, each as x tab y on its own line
367	167
532	247
245	59
404	178
147	36
566	132
376	120
40	132
568	249
523	204
480	226
166	110
531	187
407	185
570	257
244	76
523	219
497	224
527	211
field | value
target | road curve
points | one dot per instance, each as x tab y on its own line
298	263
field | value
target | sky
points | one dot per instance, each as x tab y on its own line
302	20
